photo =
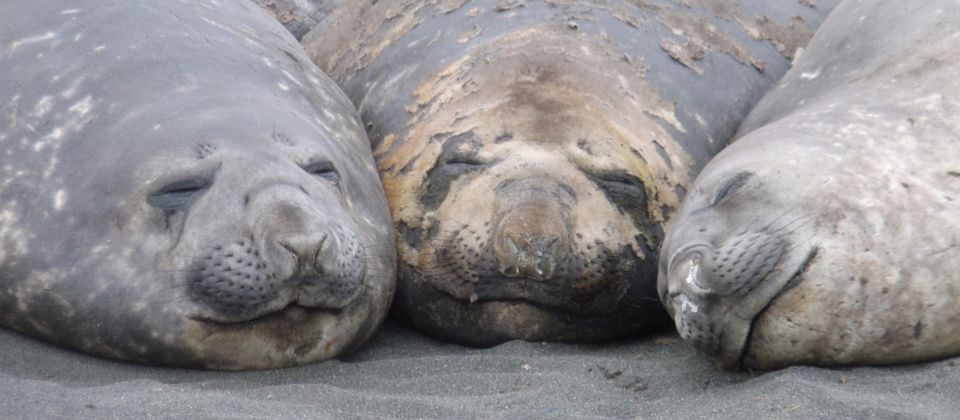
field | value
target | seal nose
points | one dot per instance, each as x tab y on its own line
686	303
307	249
329	268
529	242
529	257
328	264
686	276
681	274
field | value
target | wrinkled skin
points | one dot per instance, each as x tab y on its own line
531	152
197	194
827	234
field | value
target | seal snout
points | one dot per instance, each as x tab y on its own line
328	268
295	257
688	300
708	285
537	247
530	240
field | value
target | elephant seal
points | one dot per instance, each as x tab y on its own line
531	151
829	234
179	185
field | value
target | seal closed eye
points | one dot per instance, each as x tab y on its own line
179	194
324	170
624	190
732	184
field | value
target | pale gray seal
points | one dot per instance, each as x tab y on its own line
830	232
531	151
179	185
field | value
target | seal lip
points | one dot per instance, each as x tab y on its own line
795	280
476	301
566	308
555	309
484	323
266	317
287	309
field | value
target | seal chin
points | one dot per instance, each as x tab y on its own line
214	318
295	335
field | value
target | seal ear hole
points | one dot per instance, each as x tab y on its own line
179	194
731	185
325	171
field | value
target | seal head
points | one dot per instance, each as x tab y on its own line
826	233
181	186
728	260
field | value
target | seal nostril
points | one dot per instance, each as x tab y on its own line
512	247
552	245
318	260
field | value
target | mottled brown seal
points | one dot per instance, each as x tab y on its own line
531	151
179	185
829	233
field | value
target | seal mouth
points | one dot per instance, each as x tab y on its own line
486	321
296	300
548	295
795	280
570	309
581	285
292	309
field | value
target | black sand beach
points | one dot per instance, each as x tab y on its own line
401	374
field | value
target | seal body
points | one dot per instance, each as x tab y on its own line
828	234
531	151
179	185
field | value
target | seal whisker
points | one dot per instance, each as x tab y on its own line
774	221
195	270
784	226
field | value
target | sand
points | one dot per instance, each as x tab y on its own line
402	374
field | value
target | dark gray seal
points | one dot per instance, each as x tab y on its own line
829	233
531	151
179	185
